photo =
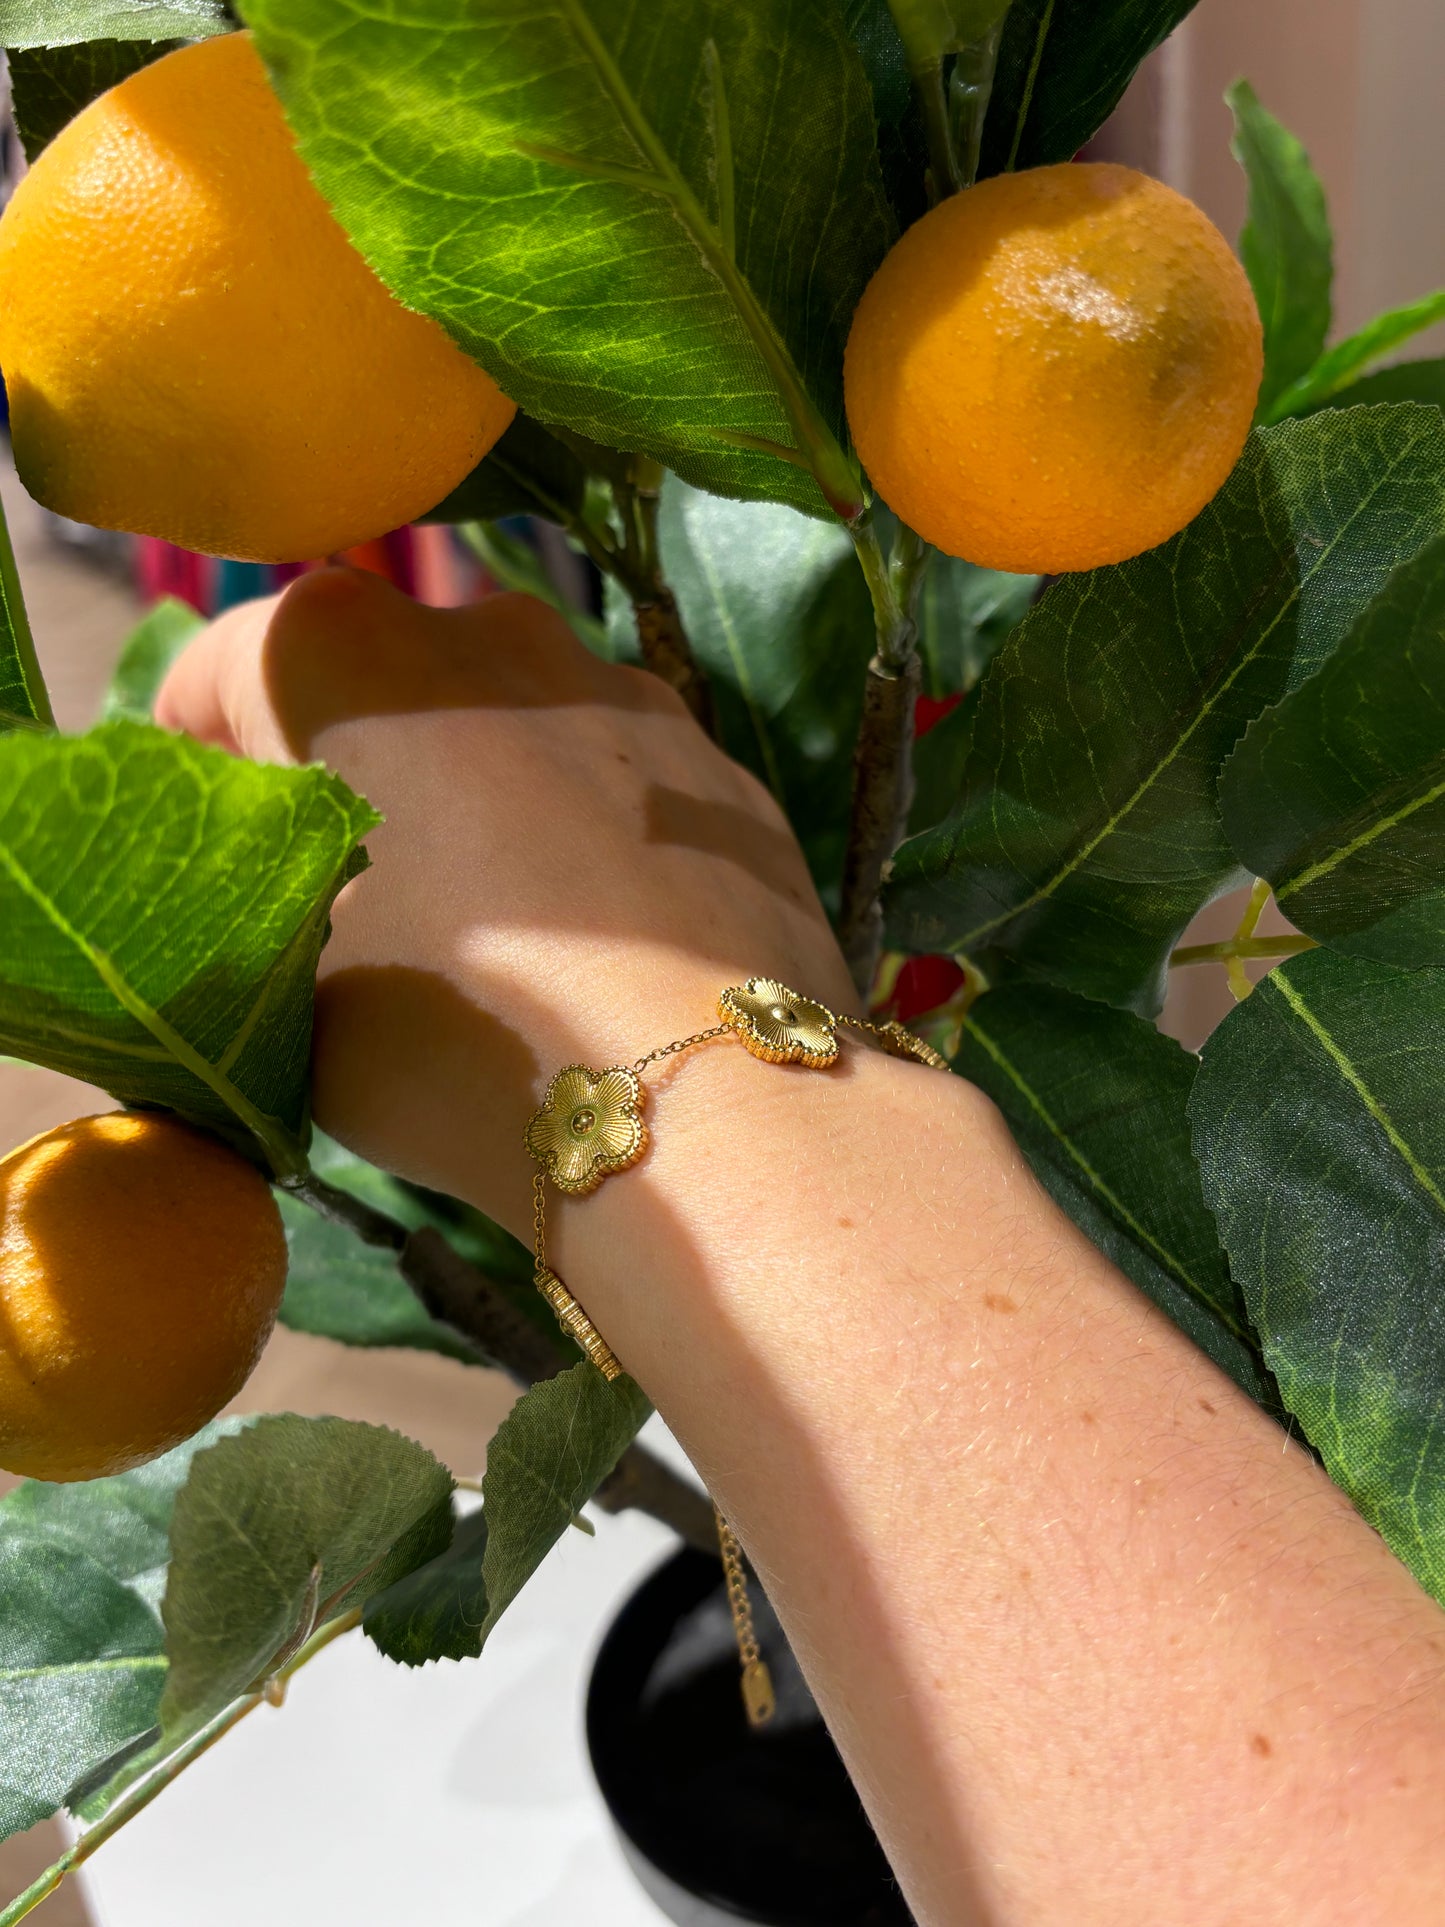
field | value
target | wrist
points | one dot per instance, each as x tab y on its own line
765	1191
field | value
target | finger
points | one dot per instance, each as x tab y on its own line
202	691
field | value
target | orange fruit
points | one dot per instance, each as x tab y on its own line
1055	369
141	1266
194	349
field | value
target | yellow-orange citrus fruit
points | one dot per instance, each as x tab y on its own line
141	1265
194	349
1055	369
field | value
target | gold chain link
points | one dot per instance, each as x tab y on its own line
680	1044
539	1217
758	1697
898	1041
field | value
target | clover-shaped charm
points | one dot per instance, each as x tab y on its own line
777	1024
590	1124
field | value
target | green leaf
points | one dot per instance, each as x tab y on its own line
24	700
81	1659
278	1530
902	142
65	23
339	1288
965	615
1286	244
1088	832
529	472
649	223
1096	1099
940	760
145	657
50	85
1321	1140
1062	70
779	617
162	907
1422	381
1337	795
1335	370
438	1611
546	1459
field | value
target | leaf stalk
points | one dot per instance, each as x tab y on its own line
12	601
1240	948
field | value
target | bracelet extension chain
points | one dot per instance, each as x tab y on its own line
590	1124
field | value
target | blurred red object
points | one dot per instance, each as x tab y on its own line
929	710
923	983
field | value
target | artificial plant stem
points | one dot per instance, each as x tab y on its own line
968	33
943	172
1254	909
969	87
883	758
1239	947
661	635
21	638
162	1775
464	1297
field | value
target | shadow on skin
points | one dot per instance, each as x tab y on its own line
722	830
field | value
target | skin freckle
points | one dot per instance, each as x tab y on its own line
1260	1745
845	1224
1205	1406
999	1301
1087	1418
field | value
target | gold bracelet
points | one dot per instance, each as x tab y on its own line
590	1125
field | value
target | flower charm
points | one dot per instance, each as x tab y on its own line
777	1024
590	1124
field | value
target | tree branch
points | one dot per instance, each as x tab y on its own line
667	652
883	758
666	648
464	1297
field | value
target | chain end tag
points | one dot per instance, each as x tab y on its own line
758	1698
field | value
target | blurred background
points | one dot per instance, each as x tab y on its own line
454	1841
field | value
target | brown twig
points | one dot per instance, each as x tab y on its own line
474	1305
661	634
883	758
667	652
882	796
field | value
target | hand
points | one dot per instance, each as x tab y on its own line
569	871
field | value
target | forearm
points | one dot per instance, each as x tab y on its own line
1076	1611
1099	1646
